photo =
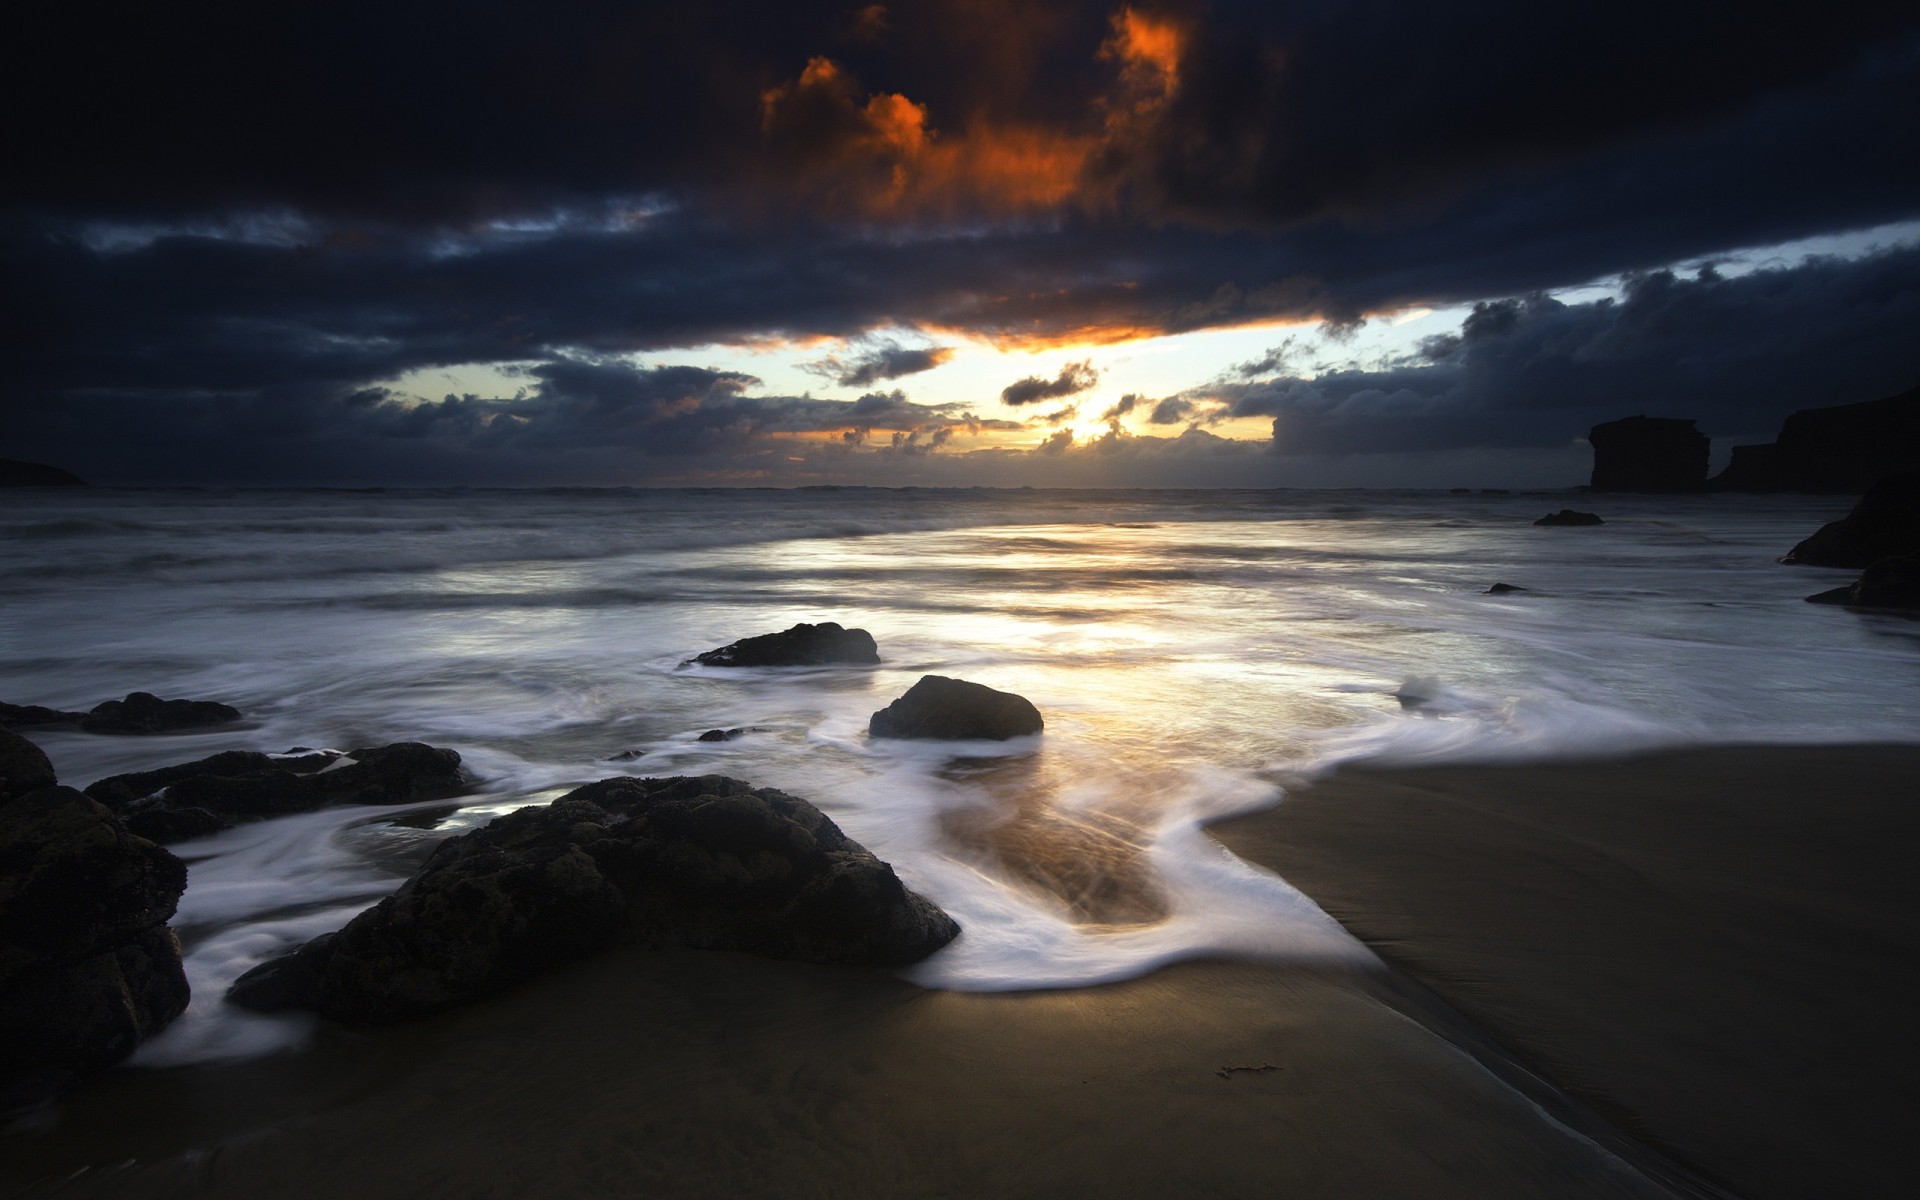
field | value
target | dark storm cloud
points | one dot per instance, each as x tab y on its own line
1074	377
1737	354
1172	410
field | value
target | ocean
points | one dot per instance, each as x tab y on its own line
1192	652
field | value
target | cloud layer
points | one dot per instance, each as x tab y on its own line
221	238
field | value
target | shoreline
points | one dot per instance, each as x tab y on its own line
1510	896
1710	946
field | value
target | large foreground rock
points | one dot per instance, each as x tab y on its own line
88	966
955	710
825	644
709	863
1884	523
210	794
23	767
1648	454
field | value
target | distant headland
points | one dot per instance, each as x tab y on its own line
14	473
1839	450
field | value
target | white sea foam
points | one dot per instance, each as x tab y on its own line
1184	648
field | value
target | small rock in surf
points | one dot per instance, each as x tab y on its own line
956	710
825	644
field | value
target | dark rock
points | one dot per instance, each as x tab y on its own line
143	712
14	473
1891	583
210	794
1750	469
1886	522
1568	516
708	863
26	716
626	756
88	967
1648	454
719	735
1504	589
1840	449
23	767
953	709
802	646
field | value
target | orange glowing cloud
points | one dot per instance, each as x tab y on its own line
882	155
1150	49
878	155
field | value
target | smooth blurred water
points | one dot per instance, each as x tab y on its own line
1187	648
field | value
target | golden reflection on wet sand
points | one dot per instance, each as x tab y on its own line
1094	862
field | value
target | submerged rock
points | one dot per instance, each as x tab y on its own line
1568	516
210	794
144	712
955	710
1885	522
709	863
1505	589
1892	583
819	645
88	966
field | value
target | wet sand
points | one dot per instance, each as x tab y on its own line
718	1075
1705	946
1716	949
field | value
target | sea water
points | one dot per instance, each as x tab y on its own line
1191	651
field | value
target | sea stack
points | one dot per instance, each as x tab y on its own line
1648	454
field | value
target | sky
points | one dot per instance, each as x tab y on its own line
956	242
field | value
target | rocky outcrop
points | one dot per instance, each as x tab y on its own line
1891	583
210	794
1506	589
708	863
1648	454
140	712
144	712
825	644
88	966
14	473
34	716
1885	522
1568	516
955	710
1838	450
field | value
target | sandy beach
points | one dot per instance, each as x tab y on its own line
1707	948
1714	948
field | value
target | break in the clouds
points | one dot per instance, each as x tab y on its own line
1073	378
229	238
1735	353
